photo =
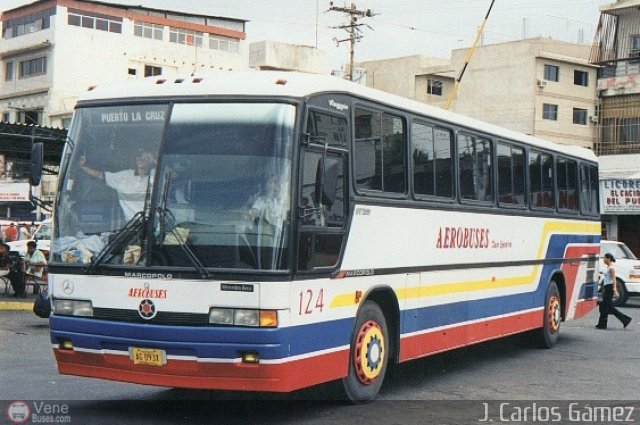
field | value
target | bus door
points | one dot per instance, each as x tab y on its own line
322	210
323	194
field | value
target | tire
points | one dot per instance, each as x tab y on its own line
368	356
624	295
547	336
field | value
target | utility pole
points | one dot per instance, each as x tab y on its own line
352	28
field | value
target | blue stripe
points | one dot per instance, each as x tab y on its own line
227	343
204	342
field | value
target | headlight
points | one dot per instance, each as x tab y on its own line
221	316
72	308
243	317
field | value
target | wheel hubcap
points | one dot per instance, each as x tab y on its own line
554	314
369	352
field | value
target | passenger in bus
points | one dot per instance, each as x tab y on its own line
131	184
610	288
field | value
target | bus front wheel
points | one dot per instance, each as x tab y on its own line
368	356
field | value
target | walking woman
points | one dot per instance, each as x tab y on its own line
609	289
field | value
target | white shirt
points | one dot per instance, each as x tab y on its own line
131	188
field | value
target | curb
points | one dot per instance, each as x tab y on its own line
16	306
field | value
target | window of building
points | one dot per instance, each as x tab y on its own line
541	180
188	37
567	184
511	175
580	78
152	31
225	44
33	116
33	67
28	24
132	71
6	116
579	116
432	149
434	87
635	46
629	130
550	112
475	168
150	71
8	71
79	18
551	73
379	152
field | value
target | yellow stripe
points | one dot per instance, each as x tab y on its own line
345	300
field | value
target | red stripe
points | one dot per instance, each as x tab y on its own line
570	271
584	307
284	377
446	339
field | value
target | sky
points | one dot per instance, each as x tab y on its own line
398	27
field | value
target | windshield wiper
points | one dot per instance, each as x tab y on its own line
169	222
131	228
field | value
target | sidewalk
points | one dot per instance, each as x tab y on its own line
8	302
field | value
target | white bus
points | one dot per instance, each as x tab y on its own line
297	229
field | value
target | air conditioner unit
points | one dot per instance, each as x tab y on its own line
542	83
593	119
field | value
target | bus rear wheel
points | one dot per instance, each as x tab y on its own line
547	336
369	355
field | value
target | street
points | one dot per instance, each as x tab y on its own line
468	384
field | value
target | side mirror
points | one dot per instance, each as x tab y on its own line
332	168
37	160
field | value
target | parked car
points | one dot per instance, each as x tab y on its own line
627	269
42	236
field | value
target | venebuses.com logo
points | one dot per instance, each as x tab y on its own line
20	412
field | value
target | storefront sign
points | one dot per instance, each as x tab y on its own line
620	196
14	192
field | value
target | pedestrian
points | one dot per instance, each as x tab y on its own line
11	269
11	233
609	289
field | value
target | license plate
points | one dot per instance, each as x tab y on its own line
148	356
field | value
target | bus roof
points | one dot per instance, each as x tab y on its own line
299	85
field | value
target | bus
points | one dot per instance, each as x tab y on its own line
294	229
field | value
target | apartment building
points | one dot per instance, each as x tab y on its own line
52	50
617	51
537	86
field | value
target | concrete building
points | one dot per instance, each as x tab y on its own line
617	51
537	86
271	55
52	50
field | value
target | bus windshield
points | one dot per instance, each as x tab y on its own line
182	185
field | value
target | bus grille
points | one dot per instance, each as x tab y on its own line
162	318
